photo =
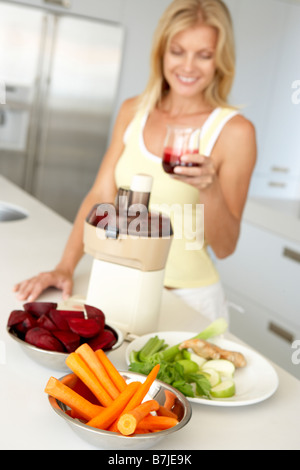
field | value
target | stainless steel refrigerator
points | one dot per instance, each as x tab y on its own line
61	74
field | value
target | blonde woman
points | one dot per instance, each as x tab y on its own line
192	71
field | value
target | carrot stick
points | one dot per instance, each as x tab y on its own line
70	380
112	412
142	431
128	422
139	395
93	362
162	411
156	423
66	395
79	367
170	399
115	376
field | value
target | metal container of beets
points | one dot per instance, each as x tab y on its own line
48	334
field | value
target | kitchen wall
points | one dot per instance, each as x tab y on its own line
267	85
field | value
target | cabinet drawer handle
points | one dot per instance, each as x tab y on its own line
291	254
282	333
276	184
60	3
280	169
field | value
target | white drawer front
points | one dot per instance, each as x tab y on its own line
266	269
273	337
275	185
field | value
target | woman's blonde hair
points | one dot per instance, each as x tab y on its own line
183	14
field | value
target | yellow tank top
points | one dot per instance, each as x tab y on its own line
189	264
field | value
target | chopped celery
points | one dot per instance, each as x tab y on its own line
153	346
189	367
134	356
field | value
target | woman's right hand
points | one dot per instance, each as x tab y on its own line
30	289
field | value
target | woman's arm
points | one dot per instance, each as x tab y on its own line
103	190
223	182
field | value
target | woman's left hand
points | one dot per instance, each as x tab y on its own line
201	176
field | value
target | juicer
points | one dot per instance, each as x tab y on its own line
130	247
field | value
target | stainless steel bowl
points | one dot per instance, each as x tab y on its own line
56	360
112	440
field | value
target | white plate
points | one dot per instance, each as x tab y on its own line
254	383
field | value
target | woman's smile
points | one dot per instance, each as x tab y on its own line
189	61
187	80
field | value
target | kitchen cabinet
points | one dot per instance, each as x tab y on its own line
269	333
279	166
262	280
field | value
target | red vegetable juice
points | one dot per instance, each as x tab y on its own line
171	158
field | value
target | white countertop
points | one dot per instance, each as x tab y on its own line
27	421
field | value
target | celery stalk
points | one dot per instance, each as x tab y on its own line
153	346
216	328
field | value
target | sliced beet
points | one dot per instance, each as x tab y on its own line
42	338
16	316
97	314
70	341
58	319
25	325
85	327
105	340
45	322
66	314
39	308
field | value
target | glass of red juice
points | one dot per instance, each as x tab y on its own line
179	141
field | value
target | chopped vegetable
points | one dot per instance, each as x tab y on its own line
224	367
193	357
88	328
162	411
128	422
39	308
82	370
173	374
157	423
174	369
104	340
151	347
42	338
70	340
77	403
212	375
115	376
189	367
225	389
141	393
113	411
170	398
91	359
